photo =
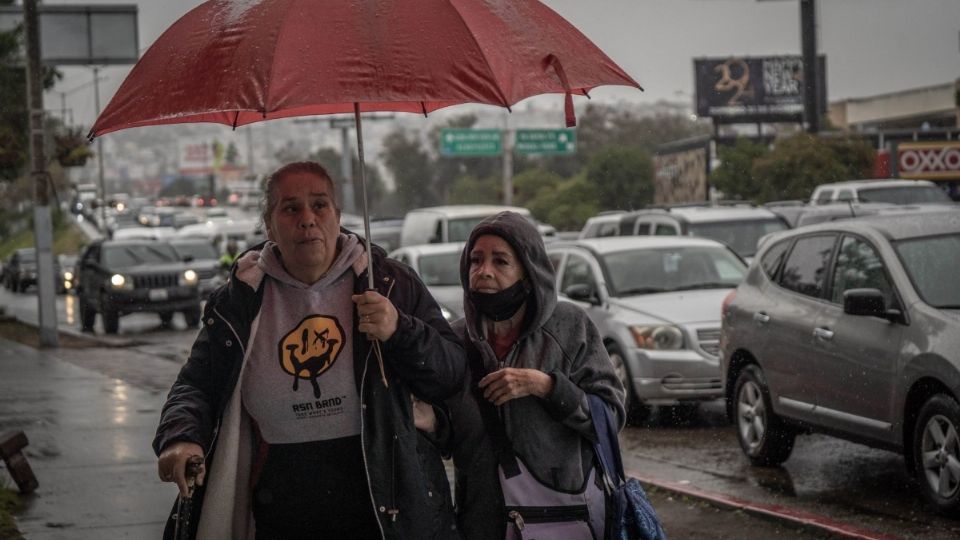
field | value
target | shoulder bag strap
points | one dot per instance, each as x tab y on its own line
607	446
491	419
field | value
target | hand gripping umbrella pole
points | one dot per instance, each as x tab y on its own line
366	229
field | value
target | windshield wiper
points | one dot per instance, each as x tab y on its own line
948	307
711	285
642	290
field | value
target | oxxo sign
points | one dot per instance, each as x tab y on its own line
929	160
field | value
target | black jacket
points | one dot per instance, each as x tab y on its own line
423	357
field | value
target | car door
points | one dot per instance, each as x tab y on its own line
580	269
857	355
788	317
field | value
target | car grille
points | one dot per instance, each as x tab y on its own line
207	273
709	339
155	281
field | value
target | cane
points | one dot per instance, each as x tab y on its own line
185	503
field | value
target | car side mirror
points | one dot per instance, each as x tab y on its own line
582	293
868	303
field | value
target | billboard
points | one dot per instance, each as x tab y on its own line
680	172
82	34
203	156
929	160
759	89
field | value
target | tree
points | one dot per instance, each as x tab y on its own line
799	163
622	178
470	190
14	120
530	184
568	206
412	169
734	177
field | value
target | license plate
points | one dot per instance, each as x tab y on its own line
158	295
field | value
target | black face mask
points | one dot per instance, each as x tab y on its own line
501	305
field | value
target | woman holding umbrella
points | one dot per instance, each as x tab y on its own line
297	390
524	412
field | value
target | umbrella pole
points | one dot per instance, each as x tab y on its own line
363	189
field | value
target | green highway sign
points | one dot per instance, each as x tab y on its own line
546	141
470	142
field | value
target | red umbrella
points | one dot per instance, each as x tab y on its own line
236	62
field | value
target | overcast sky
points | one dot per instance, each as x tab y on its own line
872	46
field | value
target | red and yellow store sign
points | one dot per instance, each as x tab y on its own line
929	160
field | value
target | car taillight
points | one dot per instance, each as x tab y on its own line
725	305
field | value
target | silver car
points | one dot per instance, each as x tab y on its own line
852	328
438	265
656	302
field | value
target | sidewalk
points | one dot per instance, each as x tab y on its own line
89	448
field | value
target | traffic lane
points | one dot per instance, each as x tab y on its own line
842	481
136	329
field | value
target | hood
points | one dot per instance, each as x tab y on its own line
526	241
683	307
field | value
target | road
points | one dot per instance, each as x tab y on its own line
838	481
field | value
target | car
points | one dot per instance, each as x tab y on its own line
144	233
202	257
603	224
20	271
880	191
67	271
219	231
656	302
445	224
852	328
118	277
438	265
738	225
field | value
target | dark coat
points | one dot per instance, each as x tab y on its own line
423	357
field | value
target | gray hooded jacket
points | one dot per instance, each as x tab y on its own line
553	435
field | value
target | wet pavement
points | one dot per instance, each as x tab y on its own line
89	448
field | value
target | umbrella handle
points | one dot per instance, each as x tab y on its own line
363	189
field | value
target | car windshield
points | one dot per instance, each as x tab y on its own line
136	254
932	264
27	256
904	195
440	269
741	236
645	271
197	250
459	229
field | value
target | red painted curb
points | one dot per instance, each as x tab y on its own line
778	512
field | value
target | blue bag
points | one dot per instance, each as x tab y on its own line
630	515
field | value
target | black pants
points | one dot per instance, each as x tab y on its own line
314	490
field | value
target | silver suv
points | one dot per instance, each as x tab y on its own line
656	302
852	328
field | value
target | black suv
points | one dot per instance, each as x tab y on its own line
117	277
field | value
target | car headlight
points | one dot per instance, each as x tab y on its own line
120	281
68	276
660	338
189	277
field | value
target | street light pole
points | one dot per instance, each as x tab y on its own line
103	188
42	224
808	40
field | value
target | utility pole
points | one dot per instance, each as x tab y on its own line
103	188
42	224
811	86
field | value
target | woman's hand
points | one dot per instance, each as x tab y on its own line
424	418
378	317
505	384
172	464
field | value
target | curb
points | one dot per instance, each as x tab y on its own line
768	511
111	342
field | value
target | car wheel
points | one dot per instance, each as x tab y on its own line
763	436
111	321
936	453
88	315
637	412
192	316
166	317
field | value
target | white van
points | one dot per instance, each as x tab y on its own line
442	224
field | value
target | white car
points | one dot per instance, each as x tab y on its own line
656	302
438	265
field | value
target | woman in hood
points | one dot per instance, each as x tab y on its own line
532	363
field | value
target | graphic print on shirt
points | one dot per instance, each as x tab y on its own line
310	349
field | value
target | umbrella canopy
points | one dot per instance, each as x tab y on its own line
236	62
